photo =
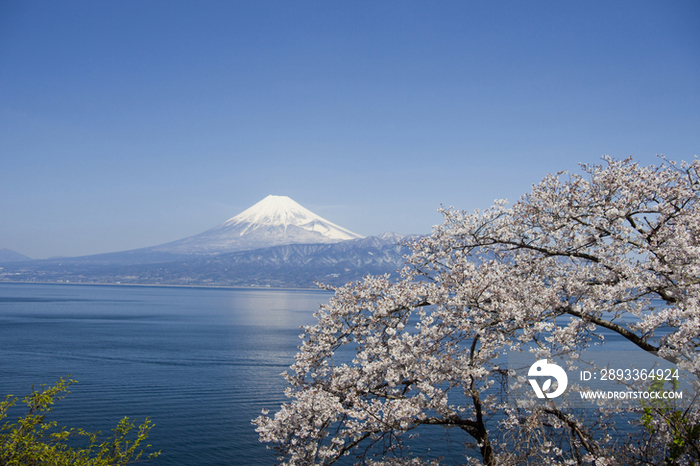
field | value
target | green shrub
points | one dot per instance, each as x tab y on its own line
34	441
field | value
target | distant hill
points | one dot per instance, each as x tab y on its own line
8	255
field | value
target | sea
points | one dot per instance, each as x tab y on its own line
201	363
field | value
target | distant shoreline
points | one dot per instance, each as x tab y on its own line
166	285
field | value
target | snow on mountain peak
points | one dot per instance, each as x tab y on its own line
273	210
274	221
283	211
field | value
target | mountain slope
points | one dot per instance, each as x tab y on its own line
274	221
8	255
292	265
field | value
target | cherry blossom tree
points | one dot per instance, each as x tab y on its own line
578	256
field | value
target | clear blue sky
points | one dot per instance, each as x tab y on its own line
125	124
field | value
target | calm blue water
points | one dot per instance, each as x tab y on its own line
201	363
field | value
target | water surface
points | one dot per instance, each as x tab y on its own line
201	363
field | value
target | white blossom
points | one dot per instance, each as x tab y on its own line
576	255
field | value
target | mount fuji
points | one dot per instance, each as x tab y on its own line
274	221
274	243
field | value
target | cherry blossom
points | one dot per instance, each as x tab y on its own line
388	359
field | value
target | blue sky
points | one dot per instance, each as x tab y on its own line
125	124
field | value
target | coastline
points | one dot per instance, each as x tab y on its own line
167	285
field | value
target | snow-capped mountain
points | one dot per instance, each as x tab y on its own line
274	221
275	243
